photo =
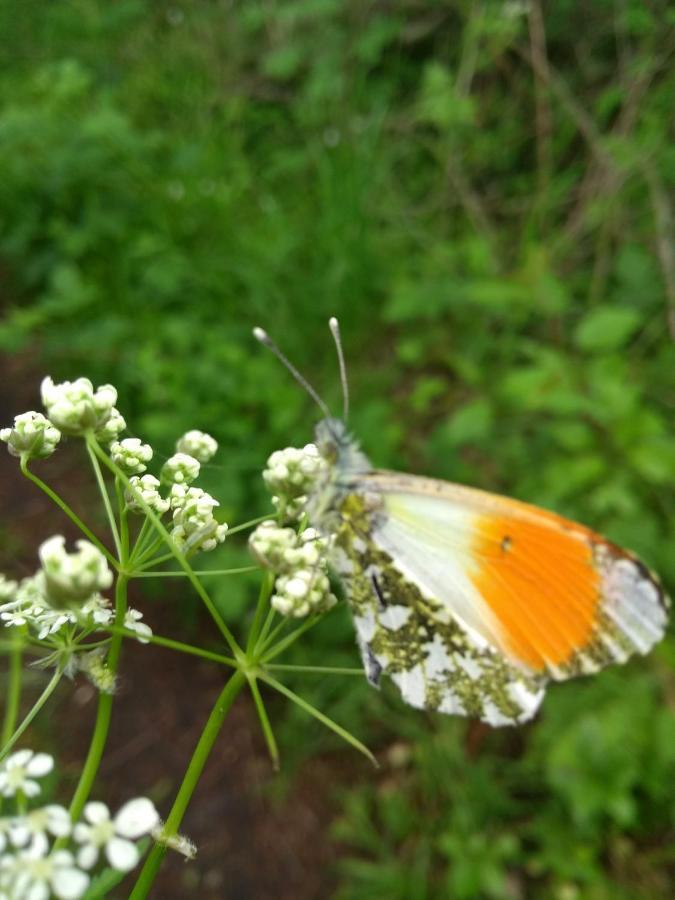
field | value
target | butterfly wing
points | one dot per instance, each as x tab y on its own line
471	601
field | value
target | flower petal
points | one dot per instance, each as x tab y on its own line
135	818
20	758
87	856
122	855
40	765
69	883
96	812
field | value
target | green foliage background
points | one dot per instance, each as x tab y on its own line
482	194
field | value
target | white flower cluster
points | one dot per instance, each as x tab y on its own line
64	592
148	488
131	455
30	869
179	469
197	444
290	475
194	525
301	563
71	578
32	435
75	407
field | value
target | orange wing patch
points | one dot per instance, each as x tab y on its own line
542	585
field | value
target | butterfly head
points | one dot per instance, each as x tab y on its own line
339	448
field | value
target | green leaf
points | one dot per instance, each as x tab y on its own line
607	328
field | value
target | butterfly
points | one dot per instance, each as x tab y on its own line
472	603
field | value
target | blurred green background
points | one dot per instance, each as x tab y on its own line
483	193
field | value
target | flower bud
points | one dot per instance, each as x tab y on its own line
147	486
75	407
33	436
70	579
179	469
130	455
198	444
302	592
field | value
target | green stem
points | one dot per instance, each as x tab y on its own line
291	638
63	506
175	645
140	541
265	723
35	709
13	697
240	571
316	670
192	775
104	711
105	497
180	558
266	586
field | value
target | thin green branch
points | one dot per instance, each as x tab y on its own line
13	693
201	572
290	639
265	723
317	714
35	709
105	497
74	518
171	644
316	670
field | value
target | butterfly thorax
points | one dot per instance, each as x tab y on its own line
345	463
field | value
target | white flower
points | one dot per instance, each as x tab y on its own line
33	435
114	836
282	550
195	527
302	592
179	469
147	486
290	475
198	444
132	621
18	771
33	827
131	454
31	875
72	577
75	407
111	430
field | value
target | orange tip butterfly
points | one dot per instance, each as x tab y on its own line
470	602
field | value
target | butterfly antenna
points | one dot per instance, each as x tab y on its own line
260	335
334	326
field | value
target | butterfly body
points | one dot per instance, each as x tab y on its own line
469	601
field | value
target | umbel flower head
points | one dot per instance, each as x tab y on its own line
147	486
131	455
75	407
70	579
198	444
301	562
32	435
114	836
194	525
290	475
179	469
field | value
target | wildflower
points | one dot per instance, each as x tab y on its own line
282	550
302	592
147	486
114	425
132	622
195	527
72	577
33	827
32	435
18	771
290	475
197	444
131	454
114	836
75	407
32	875
179	469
